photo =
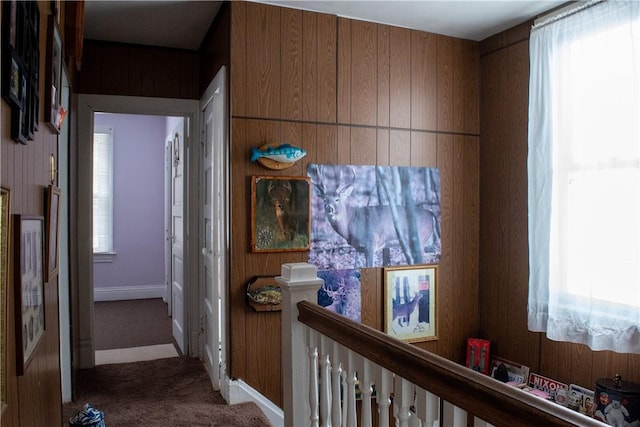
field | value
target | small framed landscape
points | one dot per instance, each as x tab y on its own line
410	312
280	214
29	287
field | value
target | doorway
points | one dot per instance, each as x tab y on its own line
88	105
137	214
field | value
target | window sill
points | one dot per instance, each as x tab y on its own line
103	257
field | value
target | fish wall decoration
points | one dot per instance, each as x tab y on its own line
277	157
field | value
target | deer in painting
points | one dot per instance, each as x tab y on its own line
369	229
279	192
404	311
336	297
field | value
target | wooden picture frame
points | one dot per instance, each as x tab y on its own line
29	288
280	213
53	76
5	232
410	311
53	231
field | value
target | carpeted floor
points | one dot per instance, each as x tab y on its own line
168	393
131	323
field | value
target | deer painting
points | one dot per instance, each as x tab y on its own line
399	223
402	312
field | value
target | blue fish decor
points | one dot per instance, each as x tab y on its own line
284	153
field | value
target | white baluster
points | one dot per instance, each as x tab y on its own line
403	398
352	418
336	387
365	374
384	385
313	378
345	393
325	382
459	417
427	407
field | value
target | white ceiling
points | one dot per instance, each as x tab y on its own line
184	23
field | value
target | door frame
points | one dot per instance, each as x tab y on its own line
87	106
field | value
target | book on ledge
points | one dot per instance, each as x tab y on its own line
516	373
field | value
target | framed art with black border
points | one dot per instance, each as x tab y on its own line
280	219
29	287
53	75
410	312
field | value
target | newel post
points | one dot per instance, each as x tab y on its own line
298	282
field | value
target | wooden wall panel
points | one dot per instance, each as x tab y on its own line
292	60
424	80
263	61
370	96
364	73
503	271
400	83
310	67
327	61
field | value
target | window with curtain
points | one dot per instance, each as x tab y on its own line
584	177
103	192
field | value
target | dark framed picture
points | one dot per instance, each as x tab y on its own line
29	287
280	213
5	232
410	312
53	228
13	80
53	75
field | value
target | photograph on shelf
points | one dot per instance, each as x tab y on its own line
29	289
279	214
410	312
516	373
580	399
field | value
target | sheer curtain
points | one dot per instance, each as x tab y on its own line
584	177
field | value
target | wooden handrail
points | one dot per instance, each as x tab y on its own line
478	394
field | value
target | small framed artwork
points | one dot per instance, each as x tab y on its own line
410	312
280	213
53	75
29	287
5	232
53	227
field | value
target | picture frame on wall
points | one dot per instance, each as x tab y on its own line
53	228
280	219
410	312
29	288
5	232
53	75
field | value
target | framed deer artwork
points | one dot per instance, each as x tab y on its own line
410	312
374	216
280	213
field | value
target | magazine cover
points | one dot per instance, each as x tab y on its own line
516	372
581	399
547	385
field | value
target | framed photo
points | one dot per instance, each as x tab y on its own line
53	75
29	287
5	232
410	312
53	228
280	213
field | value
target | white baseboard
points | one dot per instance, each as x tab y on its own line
237	391
117	293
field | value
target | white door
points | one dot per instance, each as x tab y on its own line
168	180
177	240
214	227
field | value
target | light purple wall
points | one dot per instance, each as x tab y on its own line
138	188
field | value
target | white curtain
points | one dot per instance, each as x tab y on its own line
584	177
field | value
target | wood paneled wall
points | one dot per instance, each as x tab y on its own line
352	92
110	68
504	265
35	397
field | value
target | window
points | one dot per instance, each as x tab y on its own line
584	177
103	193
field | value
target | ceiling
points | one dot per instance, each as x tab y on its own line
184	23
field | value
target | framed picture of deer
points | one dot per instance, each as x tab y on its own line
410	312
280	213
